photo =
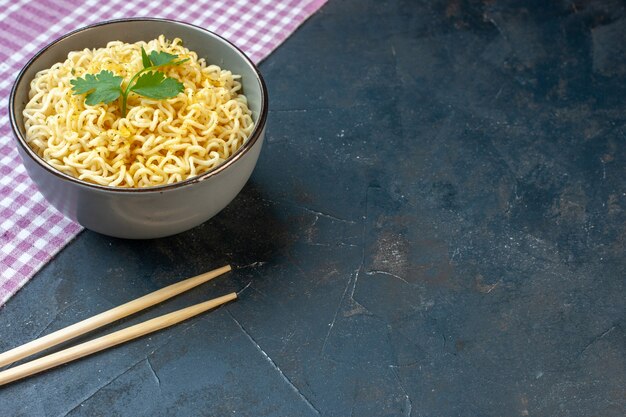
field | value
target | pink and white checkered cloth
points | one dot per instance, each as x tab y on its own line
31	231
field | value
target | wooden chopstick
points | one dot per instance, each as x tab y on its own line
107	317
113	339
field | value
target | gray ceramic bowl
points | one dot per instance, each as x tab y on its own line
155	211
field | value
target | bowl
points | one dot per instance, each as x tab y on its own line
151	212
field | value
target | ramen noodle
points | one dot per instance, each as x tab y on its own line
159	141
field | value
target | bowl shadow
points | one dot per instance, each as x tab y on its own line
247	234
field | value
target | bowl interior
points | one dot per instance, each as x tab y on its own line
214	49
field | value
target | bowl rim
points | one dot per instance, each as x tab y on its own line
248	144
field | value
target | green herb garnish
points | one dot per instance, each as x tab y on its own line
103	87
106	87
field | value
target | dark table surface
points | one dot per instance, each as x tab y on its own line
436	227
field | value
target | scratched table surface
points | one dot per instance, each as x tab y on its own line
435	227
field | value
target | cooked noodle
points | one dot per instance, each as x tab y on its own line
159	141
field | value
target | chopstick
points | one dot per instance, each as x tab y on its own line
107	317
110	340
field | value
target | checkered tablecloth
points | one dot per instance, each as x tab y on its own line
31	231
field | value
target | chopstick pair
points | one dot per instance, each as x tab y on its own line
113	339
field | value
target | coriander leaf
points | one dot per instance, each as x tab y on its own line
180	62
156	85
145	59
162	58
103	87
